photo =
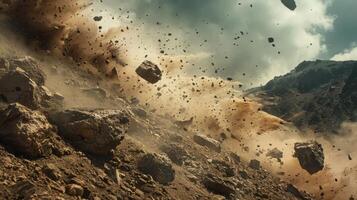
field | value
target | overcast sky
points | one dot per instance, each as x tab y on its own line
231	36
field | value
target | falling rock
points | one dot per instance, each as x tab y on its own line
92	131
97	18
149	71
289	4
207	142
157	166
310	156
25	132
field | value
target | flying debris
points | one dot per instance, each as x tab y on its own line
149	71
97	18
310	156
289	4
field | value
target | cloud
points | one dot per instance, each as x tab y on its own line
348	54
235	35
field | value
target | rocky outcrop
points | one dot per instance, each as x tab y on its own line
26	132
311	156
92	131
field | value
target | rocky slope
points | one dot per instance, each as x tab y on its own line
318	94
110	149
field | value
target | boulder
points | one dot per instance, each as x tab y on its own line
31	67
157	166
149	71
16	86
26	132
254	164
310	155
207	142
92	131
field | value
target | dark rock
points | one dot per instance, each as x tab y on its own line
224	168
207	142
235	157
97	18
158	167
219	186
26	132
310	156
149	71
52	172
275	153
289	4
294	191
93	131
254	164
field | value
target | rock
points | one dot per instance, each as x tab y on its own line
97	18
96	92
235	157
140	112
31	67
149	71
207	142
93	131
16	86
289	4
24	189
74	190
270	40
51	172
294	191
158	167
219	186
176	153
275	153
26	132
254	164
310	156
224	168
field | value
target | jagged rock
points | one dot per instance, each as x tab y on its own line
289	4
31	67
94	132
310	156
149	71
207	142
158	167
254	164
26	132
176	153
219	186
16	86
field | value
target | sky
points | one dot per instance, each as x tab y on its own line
229	38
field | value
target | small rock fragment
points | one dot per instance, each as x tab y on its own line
289	4
254	164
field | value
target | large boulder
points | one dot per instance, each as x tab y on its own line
310	155
219	186
16	86
157	166
30	66
26	132
207	142
92	131
149	71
